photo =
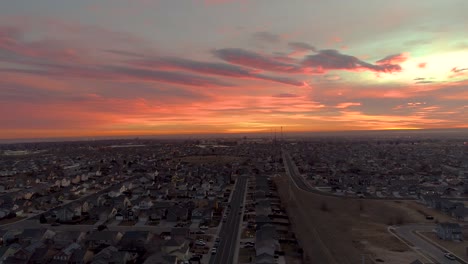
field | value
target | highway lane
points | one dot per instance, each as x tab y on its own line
229	229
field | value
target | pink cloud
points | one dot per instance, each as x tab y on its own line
394	59
347	104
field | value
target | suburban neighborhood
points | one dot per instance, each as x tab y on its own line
141	202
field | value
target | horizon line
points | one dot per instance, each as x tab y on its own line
218	134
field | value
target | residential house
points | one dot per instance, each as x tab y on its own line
80	256
67	214
19	256
177	213
177	247
33	235
145	204
432	200
460	213
180	232
65	238
449	231
41	255
448	206
161	258
100	238
65	254
111	254
202	214
135	241
266	243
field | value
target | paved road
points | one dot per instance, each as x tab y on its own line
407	232
293	172
230	229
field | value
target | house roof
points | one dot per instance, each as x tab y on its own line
39	254
265	258
77	255
174	242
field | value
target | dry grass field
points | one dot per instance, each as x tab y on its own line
337	230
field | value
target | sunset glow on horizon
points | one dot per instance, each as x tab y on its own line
142	67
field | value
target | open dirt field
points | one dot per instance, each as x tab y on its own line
336	230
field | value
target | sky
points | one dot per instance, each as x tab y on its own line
154	67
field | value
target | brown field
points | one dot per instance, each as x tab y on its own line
11	220
337	230
246	255
213	159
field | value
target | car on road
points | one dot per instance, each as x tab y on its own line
55	224
203	227
429	217
200	232
213	251
450	256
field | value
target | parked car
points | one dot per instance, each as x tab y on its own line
200	243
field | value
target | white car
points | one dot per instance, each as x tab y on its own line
200	243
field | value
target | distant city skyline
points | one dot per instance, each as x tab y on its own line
133	68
